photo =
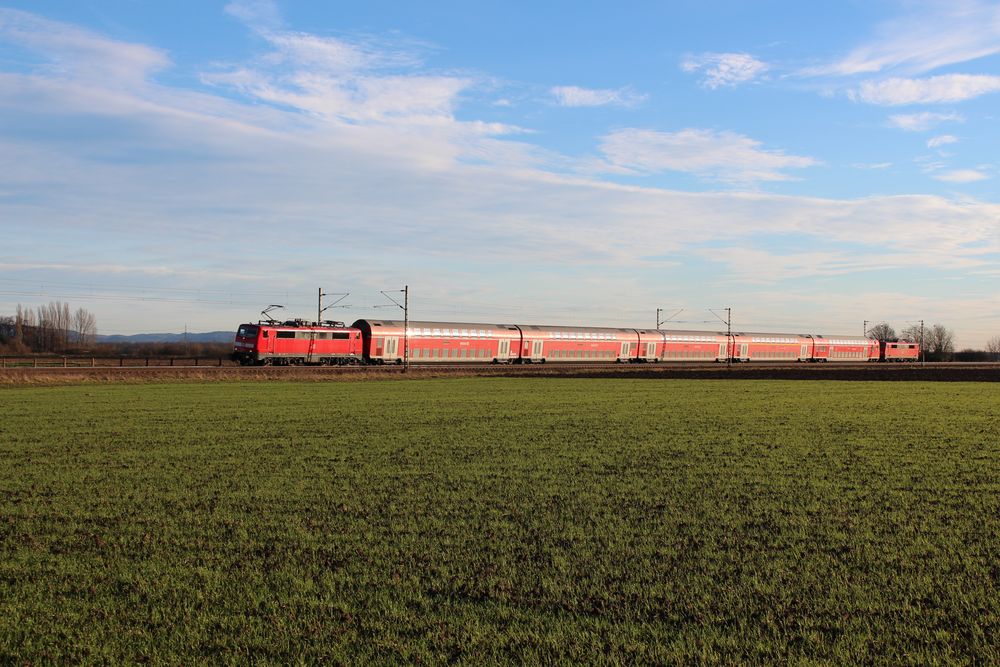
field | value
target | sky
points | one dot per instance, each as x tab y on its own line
808	165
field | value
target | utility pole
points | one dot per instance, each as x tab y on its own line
405	306
921	343
658	311
729	335
865	329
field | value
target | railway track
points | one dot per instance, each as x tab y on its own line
973	372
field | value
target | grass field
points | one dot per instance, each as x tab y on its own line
501	520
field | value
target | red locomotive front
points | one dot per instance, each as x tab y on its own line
297	342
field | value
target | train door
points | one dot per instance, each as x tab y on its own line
391	348
536	349
503	350
379	347
623	353
650	350
804	352
722	350
745	351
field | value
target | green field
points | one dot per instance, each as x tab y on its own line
501	520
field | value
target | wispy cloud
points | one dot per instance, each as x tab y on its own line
261	14
941	140
923	121
948	88
871	165
718	156
724	69
574	96
78	54
961	176
933	35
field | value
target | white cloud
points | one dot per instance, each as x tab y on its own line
574	96
947	88
923	121
872	165
937	34
961	176
720	156
262	14
941	140
77	54
724	69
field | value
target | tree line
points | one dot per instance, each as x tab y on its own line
937	342
52	327
55	328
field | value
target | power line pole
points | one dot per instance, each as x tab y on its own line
865	329
658	311
921	343
406	327
729	335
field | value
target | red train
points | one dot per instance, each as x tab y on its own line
382	342
298	342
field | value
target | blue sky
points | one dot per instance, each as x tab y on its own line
188	163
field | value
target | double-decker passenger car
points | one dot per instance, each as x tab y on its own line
434	342
544	343
771	347
844	348
297	342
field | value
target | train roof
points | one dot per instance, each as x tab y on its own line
396	326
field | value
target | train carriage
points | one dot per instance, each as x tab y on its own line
844	349
545	343
782	347
693	346
439	342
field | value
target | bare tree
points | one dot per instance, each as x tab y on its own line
52	327
85	325
882	332
938	343
993	347
942	342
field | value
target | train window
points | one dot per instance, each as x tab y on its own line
341	335
286	334
266	333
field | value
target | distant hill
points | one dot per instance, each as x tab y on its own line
206	337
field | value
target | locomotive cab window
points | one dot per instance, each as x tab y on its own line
285	334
